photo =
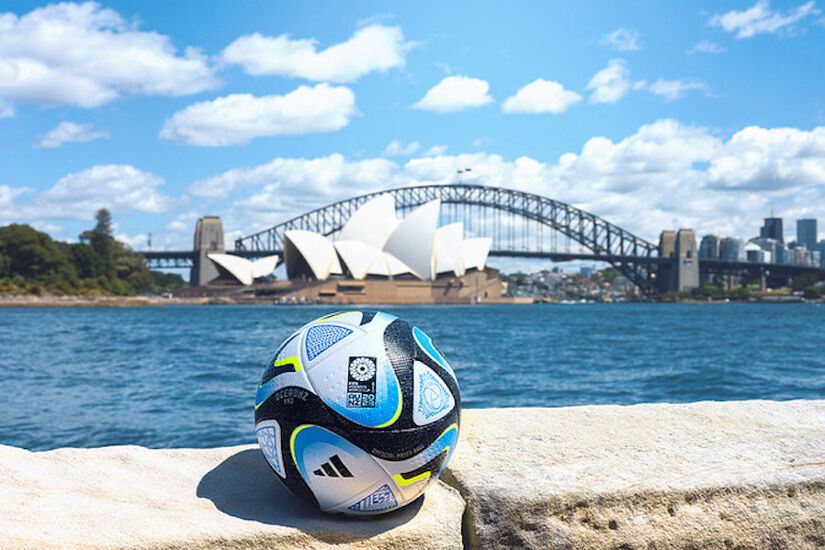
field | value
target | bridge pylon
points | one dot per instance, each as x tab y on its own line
682	274
208	238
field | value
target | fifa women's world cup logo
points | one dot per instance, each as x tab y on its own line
361	381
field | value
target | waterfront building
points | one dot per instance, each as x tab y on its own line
374	242
772	229
820	247
768	246
754	253
240	269
816	258
783	254
806	232
709	247
799	254
732	249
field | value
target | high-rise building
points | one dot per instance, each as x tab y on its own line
754	253
732	249
783	254
772	229
800	256
806	232
709	247
820	247
768	246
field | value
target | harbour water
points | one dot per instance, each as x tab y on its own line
185	376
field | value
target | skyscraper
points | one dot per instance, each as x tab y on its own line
806	232
709	248
772	229
732	249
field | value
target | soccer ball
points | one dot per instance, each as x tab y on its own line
358	412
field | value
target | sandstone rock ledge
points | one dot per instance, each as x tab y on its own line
132	497
731	475
734	475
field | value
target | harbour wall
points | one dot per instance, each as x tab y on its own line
748	474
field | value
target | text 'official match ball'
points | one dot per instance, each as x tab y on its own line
358	412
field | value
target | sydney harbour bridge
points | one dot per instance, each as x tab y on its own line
521	225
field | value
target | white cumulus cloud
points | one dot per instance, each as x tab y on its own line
761	19
541	96
70	132
674	89
763	159
397	148
705	46
372	48
119	187
298	177
455	93
7	195
610	84
85	55
678	175
623	40
435	151
238	118
7	110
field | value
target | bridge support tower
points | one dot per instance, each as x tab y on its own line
208	238
683	273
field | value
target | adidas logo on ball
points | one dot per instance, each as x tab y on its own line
333	468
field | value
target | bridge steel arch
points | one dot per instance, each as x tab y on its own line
635	257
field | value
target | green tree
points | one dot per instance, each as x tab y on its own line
740	293
101	240
804	281
164	282
87	261
812	292
131	269
33	255
610	274
30	261
708	291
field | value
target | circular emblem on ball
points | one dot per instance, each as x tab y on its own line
362	368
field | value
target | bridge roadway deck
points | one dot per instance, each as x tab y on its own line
709	265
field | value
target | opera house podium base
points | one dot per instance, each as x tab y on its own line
472	288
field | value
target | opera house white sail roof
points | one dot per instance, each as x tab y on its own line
373	242
244	270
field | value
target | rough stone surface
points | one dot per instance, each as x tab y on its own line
704	475
132	497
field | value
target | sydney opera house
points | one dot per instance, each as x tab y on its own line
377	257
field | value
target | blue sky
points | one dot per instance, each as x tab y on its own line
653	115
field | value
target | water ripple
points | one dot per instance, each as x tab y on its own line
186	376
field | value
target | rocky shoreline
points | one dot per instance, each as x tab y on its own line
98	301
747	474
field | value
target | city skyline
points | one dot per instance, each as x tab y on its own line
691	115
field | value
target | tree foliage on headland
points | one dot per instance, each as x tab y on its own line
32	263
